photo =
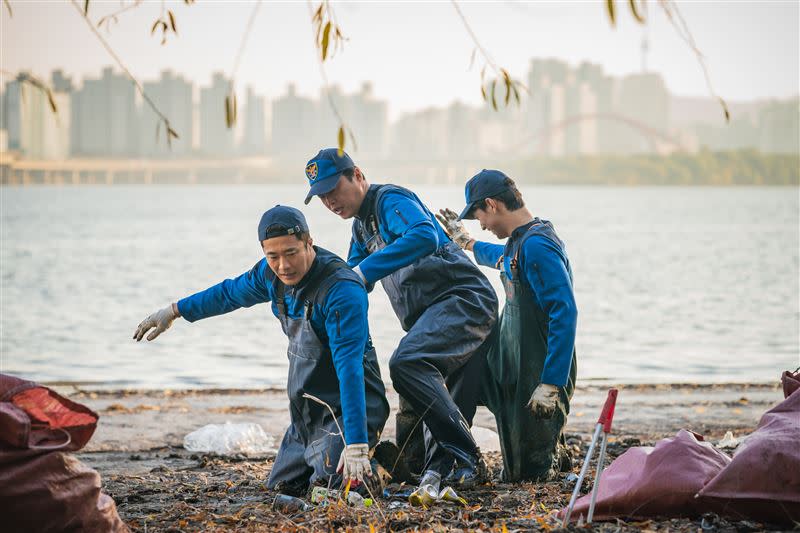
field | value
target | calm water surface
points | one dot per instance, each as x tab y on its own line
672	284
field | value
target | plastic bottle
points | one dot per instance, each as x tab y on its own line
289	504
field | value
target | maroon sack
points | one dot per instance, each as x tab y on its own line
649	481
763	480
42	488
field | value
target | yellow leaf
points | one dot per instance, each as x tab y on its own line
503	528
635	11
611	14
699	409
494	100
340	151
172	21
326	35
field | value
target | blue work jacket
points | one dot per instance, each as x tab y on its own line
545	269
340	321
409	230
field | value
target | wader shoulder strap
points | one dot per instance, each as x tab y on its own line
280	300
317	290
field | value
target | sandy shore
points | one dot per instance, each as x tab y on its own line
159	486
138	421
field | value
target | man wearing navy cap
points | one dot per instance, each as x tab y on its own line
444	303
532	367
322	307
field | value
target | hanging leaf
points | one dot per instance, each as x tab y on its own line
8	6
611	14
507	83
516	92
51	101
172	133
725	110
172	21
326	34
494	100
228	112
188	2
235	109
155	26
635	12
483	91
340	141
86	8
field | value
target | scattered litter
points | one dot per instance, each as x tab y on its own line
230	439
570	480
425	496
289	504
323	495
449	495
729	441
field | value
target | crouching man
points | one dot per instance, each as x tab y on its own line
532	365
322	307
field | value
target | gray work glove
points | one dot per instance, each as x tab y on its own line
454	227
161	320
543	400
354	462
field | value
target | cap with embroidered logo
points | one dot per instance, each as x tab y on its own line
324	169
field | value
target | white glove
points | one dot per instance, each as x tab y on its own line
354	462
543	400
161	320
357	270
454	227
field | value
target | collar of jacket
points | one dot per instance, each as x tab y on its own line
366	206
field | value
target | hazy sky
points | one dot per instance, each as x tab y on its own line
416	54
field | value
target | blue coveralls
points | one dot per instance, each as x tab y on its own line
535	344
444	303
330	356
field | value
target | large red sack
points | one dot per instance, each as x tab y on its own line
763	480
42	488
649	481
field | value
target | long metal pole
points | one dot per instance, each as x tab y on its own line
584	468
600	463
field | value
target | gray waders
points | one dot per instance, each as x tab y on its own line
311	446
515	362
448	309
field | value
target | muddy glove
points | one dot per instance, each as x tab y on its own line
454	227
161	320
354	462
543	400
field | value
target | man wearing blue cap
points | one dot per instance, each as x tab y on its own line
322	307
444	303
532	366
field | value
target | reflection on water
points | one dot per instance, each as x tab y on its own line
673	284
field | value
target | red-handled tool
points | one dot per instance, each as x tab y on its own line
604	425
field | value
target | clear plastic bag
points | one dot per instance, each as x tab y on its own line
230	439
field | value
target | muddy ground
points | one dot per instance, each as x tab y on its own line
159	486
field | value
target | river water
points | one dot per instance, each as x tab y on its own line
672	284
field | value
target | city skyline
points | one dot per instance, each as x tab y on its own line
571	110
280	49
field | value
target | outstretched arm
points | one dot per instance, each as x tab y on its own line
246	290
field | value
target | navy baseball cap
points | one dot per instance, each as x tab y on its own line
281	220
324	169
485	184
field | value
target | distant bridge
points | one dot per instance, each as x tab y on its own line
651	134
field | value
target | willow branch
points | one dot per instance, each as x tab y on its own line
127	72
